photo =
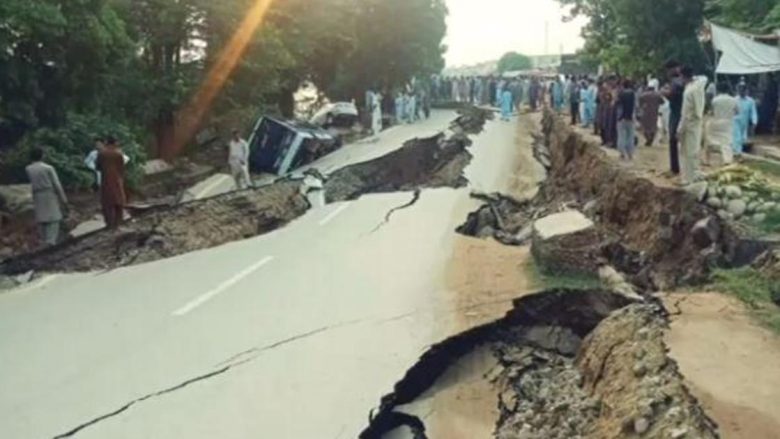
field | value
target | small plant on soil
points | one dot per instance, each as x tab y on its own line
753	288
551	281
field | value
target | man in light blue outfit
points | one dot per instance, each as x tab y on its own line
506	103
747	116
583	104
589	104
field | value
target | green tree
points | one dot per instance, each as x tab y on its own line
748	15
514	61
636	36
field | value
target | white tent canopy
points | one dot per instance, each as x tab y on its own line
741	55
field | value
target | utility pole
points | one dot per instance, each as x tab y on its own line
547	37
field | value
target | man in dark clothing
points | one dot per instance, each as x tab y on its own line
626	105
675	96
767	111
112	187
574	101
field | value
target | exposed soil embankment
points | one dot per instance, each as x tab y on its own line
572	364
660	237
172	230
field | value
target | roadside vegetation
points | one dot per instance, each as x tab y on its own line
73	70
755	290
544	281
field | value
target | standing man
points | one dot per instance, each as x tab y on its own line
649	103
746	118
238	158
626	109
574	102
91	160
676	90
506	103
720	127
48	197
691	125
113	199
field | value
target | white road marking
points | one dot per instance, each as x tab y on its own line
210	187
221	288
331	216
35	285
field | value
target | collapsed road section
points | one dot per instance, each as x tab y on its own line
658	236
572	363
169	230
582	363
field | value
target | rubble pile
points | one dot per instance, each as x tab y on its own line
572	363
167	231
621	384
501	217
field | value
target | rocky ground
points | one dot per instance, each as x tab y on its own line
599	371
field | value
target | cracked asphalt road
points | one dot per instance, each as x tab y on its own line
295	334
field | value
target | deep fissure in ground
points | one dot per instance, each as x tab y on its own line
585	363
168	230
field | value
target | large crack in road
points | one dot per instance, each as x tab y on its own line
170	230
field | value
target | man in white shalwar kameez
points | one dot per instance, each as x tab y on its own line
691	126
719	127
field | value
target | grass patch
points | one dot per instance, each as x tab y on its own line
772	222
771	169
752	288
547	281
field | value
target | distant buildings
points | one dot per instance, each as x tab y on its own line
567	64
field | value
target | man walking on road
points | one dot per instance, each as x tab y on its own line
48	197
111	164
676	90
238	160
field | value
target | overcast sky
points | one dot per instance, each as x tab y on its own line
483	30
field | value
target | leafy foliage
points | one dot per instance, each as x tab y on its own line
132	65
512	61
635	37
748	15
754	289
66	147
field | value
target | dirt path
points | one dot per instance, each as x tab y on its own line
731	364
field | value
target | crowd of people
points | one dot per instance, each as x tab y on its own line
617	109
694	115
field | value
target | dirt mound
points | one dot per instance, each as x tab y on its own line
172	230
587	363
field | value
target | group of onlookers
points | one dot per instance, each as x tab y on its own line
616	106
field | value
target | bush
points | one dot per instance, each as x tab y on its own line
67	146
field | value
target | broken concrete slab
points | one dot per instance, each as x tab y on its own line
431	162
566	242
216	184
166	231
